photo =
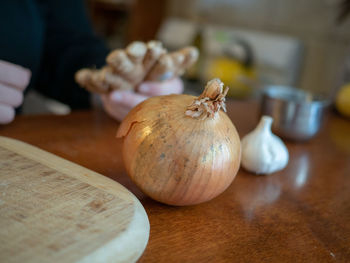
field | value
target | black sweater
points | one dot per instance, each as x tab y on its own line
53	38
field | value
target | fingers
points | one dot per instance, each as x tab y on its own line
13	80
14	75
7	114
10	96
119	103
128	99
173	86
114	110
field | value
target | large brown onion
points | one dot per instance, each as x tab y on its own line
179	149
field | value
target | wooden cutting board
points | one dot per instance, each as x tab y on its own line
52	210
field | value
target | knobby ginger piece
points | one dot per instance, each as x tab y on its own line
173	64
127	68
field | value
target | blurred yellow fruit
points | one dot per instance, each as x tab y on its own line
237	77
342	101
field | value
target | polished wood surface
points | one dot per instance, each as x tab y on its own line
301	214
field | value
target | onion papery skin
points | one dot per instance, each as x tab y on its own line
176	159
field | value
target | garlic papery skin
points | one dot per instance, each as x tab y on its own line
262	151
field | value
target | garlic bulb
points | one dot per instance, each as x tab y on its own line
262	151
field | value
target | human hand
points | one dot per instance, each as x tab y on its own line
13	81
118	103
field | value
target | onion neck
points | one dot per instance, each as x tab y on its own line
208	104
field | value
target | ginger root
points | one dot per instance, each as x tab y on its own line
127	68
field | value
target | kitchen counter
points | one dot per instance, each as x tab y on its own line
301	214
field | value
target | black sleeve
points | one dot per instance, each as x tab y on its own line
69	45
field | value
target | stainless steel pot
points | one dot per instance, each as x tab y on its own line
297	114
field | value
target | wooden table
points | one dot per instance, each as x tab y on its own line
301	214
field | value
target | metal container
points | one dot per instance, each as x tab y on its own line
297	114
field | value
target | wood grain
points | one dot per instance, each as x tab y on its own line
54	211
300	214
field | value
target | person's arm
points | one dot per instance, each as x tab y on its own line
70	44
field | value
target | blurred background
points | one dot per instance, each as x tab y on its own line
247	43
